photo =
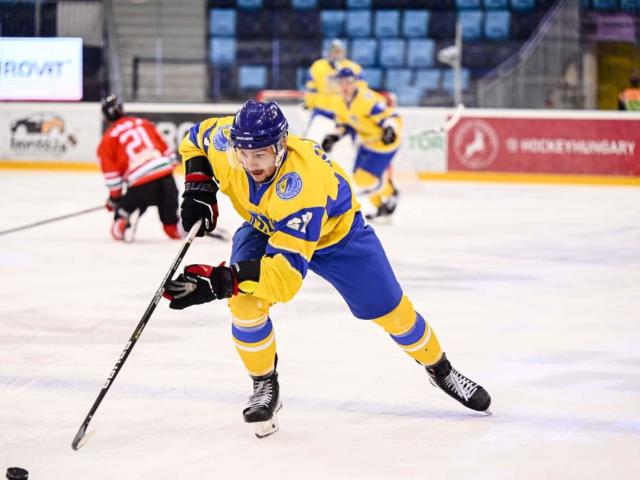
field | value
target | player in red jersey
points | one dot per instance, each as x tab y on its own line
138	170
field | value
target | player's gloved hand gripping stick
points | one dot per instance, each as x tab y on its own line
80	439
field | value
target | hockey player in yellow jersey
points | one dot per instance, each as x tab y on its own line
322	96
377	127
300	213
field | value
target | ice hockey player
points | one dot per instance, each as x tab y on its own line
377	127
321	93
138	170
300	213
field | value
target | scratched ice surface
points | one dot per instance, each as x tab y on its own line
534	291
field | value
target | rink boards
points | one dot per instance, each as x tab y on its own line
495	145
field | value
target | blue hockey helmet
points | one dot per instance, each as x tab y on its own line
258	125
345	73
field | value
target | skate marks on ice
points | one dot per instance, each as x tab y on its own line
302	405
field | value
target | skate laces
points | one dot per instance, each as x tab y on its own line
262	393
462	385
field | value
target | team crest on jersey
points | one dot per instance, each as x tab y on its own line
289	186
221	139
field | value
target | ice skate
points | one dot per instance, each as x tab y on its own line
386	208
264	403
129	233
456	385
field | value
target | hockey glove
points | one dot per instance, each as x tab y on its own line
112	202
204	283
388	135
199	202
329	141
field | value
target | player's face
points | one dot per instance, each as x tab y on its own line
260	163
347	88
336	54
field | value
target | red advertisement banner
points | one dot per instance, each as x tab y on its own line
545	145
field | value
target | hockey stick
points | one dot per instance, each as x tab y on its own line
79	440
50	220
455	118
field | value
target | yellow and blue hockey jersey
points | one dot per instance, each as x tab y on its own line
368	113
321	92
308	205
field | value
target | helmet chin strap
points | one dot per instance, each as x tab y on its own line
280	148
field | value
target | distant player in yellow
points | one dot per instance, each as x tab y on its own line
300	214
322	96
377	127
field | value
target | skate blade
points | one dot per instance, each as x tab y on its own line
264	429
268	427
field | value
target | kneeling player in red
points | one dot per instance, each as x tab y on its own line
300	214
138	169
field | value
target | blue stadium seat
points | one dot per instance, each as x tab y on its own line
222	22
478	55
255	52
373	76
331	4
428	79
630	6
355	4
523	5
447	79
409	95
302	75
523	24
304	4
255	24
252	77
397	78
442	24
387	23
392	52
604	5
385	4
222	51
415	23
363	51
306	24
359	23
497	24
420	52
250	4
471	23
495	4
467	4
332	23
298	51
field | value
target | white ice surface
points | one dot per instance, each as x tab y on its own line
534	292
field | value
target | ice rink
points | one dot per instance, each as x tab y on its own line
533	290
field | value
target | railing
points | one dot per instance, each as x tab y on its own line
529	78
159	73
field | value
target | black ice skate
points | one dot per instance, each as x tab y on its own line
456	385
263	405
386	208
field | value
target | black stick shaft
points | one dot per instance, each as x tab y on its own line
51	220
76	444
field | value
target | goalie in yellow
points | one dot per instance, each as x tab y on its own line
377	128
322	96
300	214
